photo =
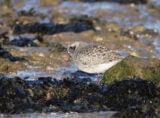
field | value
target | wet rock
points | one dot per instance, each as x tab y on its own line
49	3
151	32
11	67
153	6
8	3
130	34
143	32
139	28
58	51
139	32
4	38
113	27
57	47
135	67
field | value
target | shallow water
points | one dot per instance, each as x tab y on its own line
62	115
108	12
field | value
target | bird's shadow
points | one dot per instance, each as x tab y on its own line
82	75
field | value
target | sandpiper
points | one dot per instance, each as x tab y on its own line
93	58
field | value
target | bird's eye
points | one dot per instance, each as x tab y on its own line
72	48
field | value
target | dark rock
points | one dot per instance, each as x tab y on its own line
130	34
57	47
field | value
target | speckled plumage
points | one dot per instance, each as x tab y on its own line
93	58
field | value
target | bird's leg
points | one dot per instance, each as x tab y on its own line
99	78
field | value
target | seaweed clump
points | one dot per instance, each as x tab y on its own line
6	55
76	25
119	1
26	42
79	95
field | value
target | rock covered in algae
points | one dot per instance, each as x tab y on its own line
134	67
